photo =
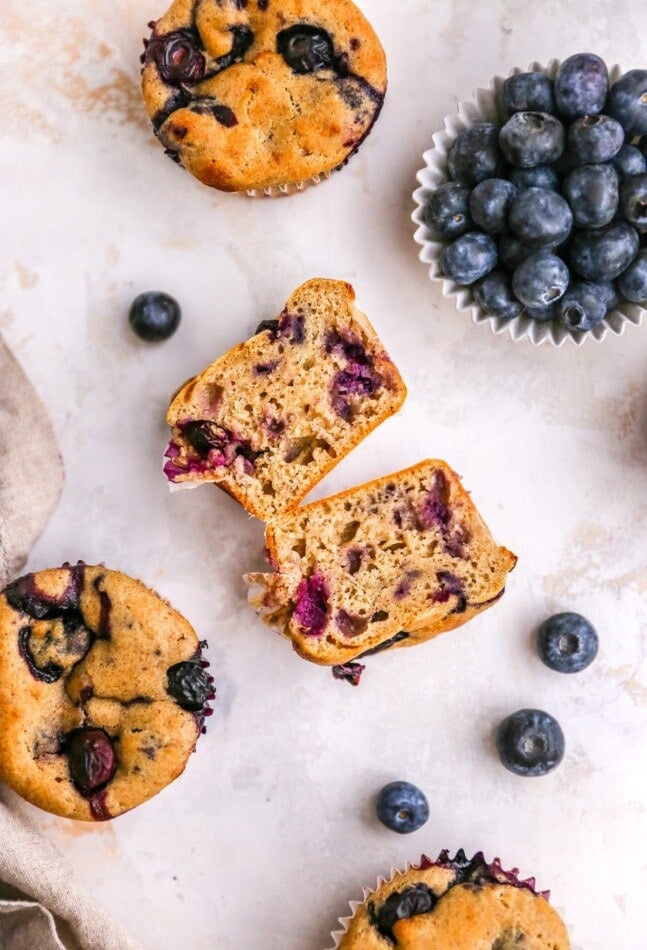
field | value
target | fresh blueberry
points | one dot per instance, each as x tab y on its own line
154	316
475	154
592	194
567	642
633	201
595	138
632	283
628	101
565	163
189	685
582	306
630	161
581	85
528	92
540	218
469	258
494	296
541	314
530	742
532	138
489	204
540	280
609	294
91	759
306	49
604	255
447	210
539	176
512	251
402	807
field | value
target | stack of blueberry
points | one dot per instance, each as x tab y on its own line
547	214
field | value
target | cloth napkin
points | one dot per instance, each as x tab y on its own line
42	906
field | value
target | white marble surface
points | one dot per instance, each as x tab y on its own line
270	830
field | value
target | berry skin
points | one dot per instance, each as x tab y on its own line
469	258
402	807
541	314
494	296
447	210
582	306
633	201
592	194
567	642
271	326
540	280
628	102
528	92
532	138
633	282
178	57
154	316
489	204
189	685
604	255
630	161
475	154
539	176
91	759
581	85
306	49
595	138
540	218
512	251
530	742
609	294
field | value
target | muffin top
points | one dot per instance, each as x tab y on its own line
253	94
103	692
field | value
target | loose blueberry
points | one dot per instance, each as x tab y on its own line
469	258
540	218
609	294
512	251
154	316
630	161
402	807
582	306
541	314
530	742
604	255
306	49
475	154
532	138
528	92
633	201
189	685
91	759
581	85
539	176
401	905
592	194
567	642
628	101
494	296
595	138
447	210
632	283
541	279
178	57
489	204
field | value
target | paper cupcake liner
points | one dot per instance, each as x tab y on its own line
282	191
494	867
484	106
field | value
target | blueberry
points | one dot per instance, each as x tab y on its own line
469	258
402	807
154	316
592	194
539	176
540	218
475	154
595	138
567	642
306	49
512	251
541	279
530	742
628	101
178	57
489	204
541	314
609	294
532	138
630	161
528	92
633	201
581	85
401	905
582	306
494	296
632	283
447	210
603	255
189	685
270	326
91	759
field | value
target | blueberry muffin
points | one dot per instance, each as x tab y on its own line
268	419
456	904
103	691
389	563
258	94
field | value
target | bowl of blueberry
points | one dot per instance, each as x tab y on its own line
532	205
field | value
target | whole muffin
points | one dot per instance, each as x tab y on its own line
254	94
103	691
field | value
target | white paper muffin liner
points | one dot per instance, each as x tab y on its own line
484	107
282	191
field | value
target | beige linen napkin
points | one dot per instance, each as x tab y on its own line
42	906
